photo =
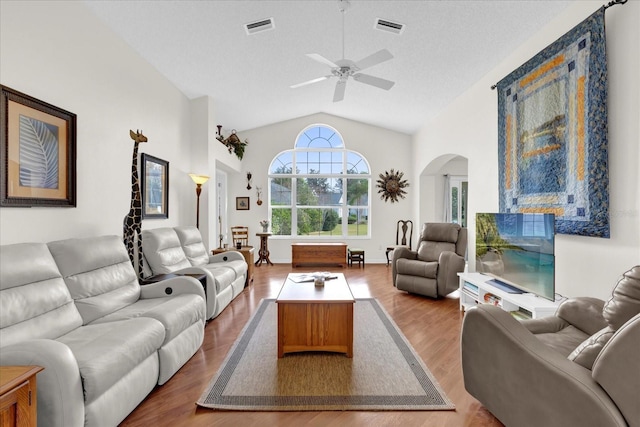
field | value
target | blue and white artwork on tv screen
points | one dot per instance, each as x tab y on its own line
518	249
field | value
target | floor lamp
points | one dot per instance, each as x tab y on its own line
199	180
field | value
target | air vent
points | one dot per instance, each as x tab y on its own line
259	26
391	27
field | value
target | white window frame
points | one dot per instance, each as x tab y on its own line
343	207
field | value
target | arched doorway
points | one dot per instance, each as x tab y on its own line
444	190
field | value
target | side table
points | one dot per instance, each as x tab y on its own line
264	249
247	252
18	395
160	277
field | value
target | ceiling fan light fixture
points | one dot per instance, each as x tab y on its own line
345	68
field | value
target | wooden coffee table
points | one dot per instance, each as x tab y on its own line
314	318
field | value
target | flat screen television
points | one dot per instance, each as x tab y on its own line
517	249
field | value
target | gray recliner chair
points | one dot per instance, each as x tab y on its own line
580	367
432	270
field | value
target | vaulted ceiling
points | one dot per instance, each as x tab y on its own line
444	47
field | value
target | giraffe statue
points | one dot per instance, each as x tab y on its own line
133	221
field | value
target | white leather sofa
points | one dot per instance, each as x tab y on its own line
76	308
181	250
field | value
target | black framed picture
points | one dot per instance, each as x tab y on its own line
242	203
154	187
37	153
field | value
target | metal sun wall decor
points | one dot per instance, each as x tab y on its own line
552	122
391	186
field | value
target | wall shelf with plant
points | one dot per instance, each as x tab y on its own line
233	142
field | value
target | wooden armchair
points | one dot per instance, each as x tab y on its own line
240	233
403	228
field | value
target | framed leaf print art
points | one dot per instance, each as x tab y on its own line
37	153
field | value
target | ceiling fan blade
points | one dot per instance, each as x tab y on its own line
322	59
373	81
319	79
374	59
338	95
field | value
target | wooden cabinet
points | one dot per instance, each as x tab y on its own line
319	254
18	396
248	254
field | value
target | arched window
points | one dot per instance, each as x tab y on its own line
319	188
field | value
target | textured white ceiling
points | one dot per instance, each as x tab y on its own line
201	46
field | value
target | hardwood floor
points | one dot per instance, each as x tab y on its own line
432	327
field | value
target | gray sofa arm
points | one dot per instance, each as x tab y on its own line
545	325
60	394
585	313
525	383
619	360
401	253
449	265
178	285
226	256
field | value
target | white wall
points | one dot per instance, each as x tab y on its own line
60	53
384	149
468	127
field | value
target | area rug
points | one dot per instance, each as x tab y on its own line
385	372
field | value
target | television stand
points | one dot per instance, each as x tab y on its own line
476	288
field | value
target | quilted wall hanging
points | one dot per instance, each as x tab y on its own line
552	146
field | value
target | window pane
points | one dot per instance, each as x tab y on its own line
358	222
319	222
454	205
319	137
318	191
463	203
358	192
282	163
356	164
319	162
280	191
336	163
281	221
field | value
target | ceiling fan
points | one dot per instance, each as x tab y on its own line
345	68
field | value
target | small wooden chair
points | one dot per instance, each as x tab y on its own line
240	233
403	227
355	254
